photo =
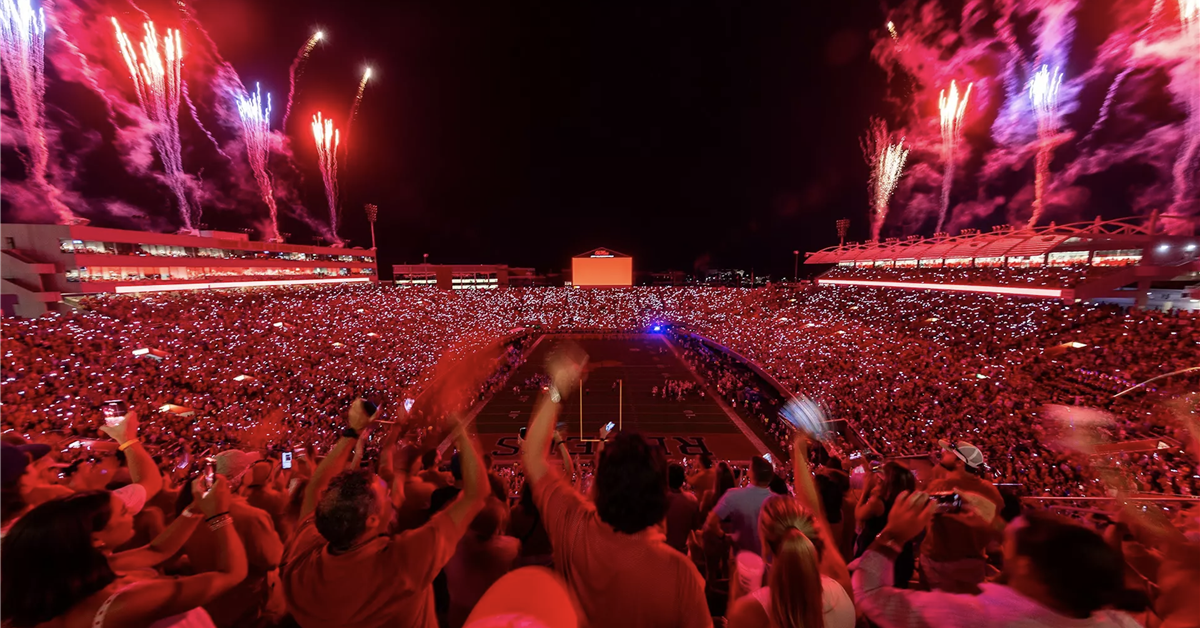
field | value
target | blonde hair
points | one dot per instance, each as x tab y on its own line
789	532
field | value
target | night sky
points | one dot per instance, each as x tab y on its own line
687	134
690	135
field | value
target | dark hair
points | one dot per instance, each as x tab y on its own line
706	460
778	486
631	484
429	459
832	493
761	471
456	467
49	561
834	463
1078	569
342	511
896	479
675	476
725	480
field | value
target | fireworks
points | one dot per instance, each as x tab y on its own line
887	165
327	139
22	50
296	70
952	110
1188	162
158	83
1043	92
362	87
256	131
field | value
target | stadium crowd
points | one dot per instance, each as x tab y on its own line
1042	276
182	512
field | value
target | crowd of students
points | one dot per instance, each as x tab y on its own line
1064	276
382	523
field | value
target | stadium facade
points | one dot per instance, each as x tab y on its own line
1116	261
45	266
465	276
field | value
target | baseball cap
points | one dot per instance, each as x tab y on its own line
14	459
234	462
968	453
134	496
529	597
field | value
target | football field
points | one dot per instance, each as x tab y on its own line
622	373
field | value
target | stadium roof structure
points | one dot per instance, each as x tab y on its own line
1135	251
1002	241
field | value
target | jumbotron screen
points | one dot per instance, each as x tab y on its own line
602	271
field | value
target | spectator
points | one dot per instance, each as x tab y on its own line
883	487
258	597
526	526
14	477
703	480
483	556
55	568
683	510
797	593
1056	574
342	568
612	554
953	558
265	491
739	508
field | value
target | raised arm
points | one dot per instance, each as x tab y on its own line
142	469
336	460
564	376
475	481
150	601
163	546
832	563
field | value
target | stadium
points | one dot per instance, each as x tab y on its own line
222	408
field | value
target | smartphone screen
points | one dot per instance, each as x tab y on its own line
408	404
210	476
287	460
610	426
767	457
114	412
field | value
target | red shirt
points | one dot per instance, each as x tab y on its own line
387	581
626	580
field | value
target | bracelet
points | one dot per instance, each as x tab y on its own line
889	543
218	515
127	444
219	521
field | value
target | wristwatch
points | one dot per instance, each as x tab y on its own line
350	432
555	396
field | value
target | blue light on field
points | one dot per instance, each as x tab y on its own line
658	328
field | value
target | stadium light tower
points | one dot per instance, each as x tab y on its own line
843	227
372	213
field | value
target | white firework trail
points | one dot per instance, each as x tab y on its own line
23	53
157	80
256	131
327	139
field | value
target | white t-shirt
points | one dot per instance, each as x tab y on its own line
839	609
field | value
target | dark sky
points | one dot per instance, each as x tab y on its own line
686	133
680	132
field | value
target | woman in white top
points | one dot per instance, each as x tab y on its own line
57	571
806	571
